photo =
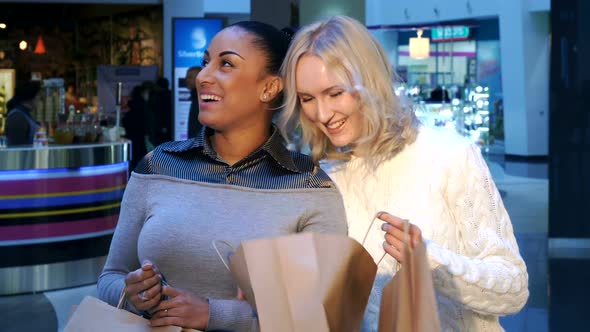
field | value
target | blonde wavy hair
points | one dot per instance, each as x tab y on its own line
360	63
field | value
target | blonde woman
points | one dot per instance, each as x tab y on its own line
339	90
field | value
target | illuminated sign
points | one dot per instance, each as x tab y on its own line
191	39
450	33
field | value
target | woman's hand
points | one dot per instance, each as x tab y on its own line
143	287
181	309
394	235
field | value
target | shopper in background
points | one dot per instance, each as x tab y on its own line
339	90
136	122
235	181
439	95
161	104
21	127
194	126
70	94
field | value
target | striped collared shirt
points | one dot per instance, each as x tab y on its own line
272	166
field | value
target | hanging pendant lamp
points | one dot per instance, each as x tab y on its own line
40	47
419	47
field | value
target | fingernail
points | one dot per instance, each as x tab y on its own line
385	227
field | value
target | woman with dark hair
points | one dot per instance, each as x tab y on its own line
20	126
235	181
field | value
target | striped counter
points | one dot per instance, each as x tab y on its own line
57	220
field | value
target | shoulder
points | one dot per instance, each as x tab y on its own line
16	113
442	143
316	177
17	119
176	146
165	158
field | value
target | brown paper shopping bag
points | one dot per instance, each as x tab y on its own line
408	303
94	315
305	282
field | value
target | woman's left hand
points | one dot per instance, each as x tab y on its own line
394	235
181	309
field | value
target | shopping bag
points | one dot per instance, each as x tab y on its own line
408	302
305	282
94	315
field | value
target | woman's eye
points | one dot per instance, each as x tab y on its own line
225	63
336	94
305	99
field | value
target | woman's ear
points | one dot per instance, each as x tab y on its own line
271	89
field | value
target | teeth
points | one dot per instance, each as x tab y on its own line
205	97
335	125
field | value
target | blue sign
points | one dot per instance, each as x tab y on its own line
191	38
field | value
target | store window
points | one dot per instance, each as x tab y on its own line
458	85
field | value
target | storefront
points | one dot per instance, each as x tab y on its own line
516	59
451	72
59	206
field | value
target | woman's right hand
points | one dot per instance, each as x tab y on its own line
143	287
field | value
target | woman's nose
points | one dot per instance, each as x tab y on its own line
323	112
203	77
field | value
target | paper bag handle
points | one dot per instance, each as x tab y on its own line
407	231
214	245
406	234
122	299
367	233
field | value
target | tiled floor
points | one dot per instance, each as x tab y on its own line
525	190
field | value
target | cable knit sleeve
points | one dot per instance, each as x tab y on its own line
487	273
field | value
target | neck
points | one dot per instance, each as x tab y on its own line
235	145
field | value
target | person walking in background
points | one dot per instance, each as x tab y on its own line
162	112
21	127
339	90
135	122
194	126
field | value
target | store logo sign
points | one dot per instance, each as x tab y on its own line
450	33
198	41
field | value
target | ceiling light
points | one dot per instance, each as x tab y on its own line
40	47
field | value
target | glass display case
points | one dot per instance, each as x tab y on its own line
476	115
467	112
50	107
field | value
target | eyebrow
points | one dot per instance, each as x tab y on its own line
323	91
226	53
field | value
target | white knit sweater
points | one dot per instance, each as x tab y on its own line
442	184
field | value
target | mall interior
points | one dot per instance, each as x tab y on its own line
508	74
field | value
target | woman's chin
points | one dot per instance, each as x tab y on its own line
208	120
340	142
